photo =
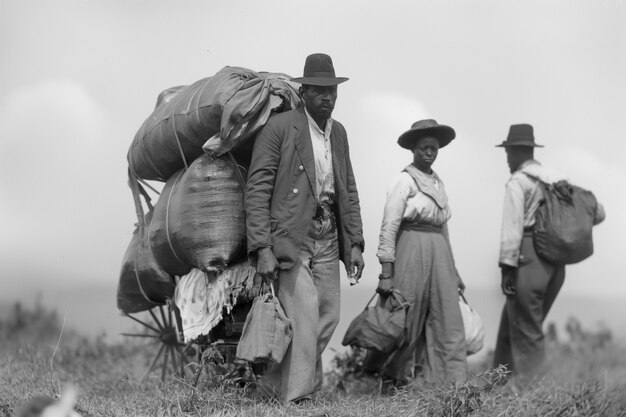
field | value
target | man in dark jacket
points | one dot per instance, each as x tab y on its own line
302	217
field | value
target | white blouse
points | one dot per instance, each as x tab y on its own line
406	202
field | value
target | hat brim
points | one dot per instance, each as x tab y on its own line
527	144
444	135
320	81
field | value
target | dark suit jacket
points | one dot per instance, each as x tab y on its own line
280	192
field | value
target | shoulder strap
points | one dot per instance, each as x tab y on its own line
438	196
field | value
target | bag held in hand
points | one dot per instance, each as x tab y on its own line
267	331
474	330
379	327
563	223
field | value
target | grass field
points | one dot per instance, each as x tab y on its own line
38	357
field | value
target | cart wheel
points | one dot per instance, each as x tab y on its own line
166	330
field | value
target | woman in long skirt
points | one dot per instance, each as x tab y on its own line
416	258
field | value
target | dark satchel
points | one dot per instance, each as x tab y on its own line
564	222
379	327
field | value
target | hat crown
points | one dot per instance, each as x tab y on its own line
521	131
319	70
319	65
426	127
423	124
520	135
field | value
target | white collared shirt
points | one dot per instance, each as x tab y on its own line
325	184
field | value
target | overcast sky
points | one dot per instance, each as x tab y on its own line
78	78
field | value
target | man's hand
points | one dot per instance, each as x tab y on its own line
356	262
509	276
460	284
267	264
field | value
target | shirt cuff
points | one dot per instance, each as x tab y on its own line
358	245
508	261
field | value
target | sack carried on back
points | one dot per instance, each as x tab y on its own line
564	222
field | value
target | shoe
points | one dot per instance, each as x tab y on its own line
387	386
304	400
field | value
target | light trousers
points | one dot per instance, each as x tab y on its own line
309	293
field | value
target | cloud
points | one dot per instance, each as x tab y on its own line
51	132
56	177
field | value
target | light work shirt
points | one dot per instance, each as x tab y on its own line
405	202
324	179
522	196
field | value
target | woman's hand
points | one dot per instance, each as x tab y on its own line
385	282
385	287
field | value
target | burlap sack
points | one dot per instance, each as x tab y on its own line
266	333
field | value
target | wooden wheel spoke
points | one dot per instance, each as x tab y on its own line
156	320
144	323
169	310
152	336
176	359
165	322
154	361
182	363
164	367
183	360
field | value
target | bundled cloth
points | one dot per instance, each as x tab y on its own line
474	330
380	326
143	284
199	219
201	297
267	331
218	112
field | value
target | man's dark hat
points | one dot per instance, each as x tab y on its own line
520	135
319	70
428	127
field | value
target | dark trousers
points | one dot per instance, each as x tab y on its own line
521	341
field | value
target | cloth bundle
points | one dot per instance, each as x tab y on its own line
379	327
228	108
474	330
143	284
199	141
199	219
267	331
202	298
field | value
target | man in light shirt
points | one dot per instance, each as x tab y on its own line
302	217
529	282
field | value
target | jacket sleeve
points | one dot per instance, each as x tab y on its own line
355	228
260	187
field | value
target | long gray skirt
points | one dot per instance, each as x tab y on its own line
425	275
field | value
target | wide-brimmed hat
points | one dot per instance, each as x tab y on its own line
319	70
520	135
427	127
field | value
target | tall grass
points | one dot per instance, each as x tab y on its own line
581	381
